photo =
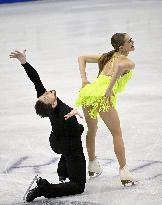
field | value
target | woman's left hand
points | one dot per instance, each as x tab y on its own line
72	113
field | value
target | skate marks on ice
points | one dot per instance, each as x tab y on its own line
22	163
152	167
107	183
55	202
148	173
15	164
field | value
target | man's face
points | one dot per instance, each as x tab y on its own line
49	97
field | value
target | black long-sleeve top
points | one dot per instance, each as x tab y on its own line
61	128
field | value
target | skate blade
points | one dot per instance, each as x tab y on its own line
30	185
128	182
93	175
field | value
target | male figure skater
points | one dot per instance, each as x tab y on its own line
65	139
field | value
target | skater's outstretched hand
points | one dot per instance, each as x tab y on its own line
72	113
21	56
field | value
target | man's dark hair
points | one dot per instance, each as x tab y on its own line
42	109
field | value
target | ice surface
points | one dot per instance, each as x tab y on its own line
55	33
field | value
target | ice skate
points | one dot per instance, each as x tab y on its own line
30	185
94	168
127	177
33	193
39	190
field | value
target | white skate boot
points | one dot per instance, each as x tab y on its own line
126	176
94	168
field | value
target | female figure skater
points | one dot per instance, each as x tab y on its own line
65	139
99	98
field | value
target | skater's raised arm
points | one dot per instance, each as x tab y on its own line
34	77
31	72
83	60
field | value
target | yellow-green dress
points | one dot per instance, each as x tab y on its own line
93	94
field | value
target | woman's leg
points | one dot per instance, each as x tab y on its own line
112	121
91	133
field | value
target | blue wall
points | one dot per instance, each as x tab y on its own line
13	1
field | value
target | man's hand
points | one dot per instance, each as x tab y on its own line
20	56
72	113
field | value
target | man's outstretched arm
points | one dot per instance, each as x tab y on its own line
31	72
72	113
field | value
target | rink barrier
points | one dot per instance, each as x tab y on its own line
14	1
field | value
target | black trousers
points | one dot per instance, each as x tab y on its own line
72	164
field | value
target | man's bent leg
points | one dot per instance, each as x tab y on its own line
62	169
76	166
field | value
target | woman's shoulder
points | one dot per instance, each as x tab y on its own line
126	62
125	59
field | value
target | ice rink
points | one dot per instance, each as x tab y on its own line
55	33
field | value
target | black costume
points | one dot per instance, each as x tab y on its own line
65	139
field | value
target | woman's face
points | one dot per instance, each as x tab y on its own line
49	97
129	44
